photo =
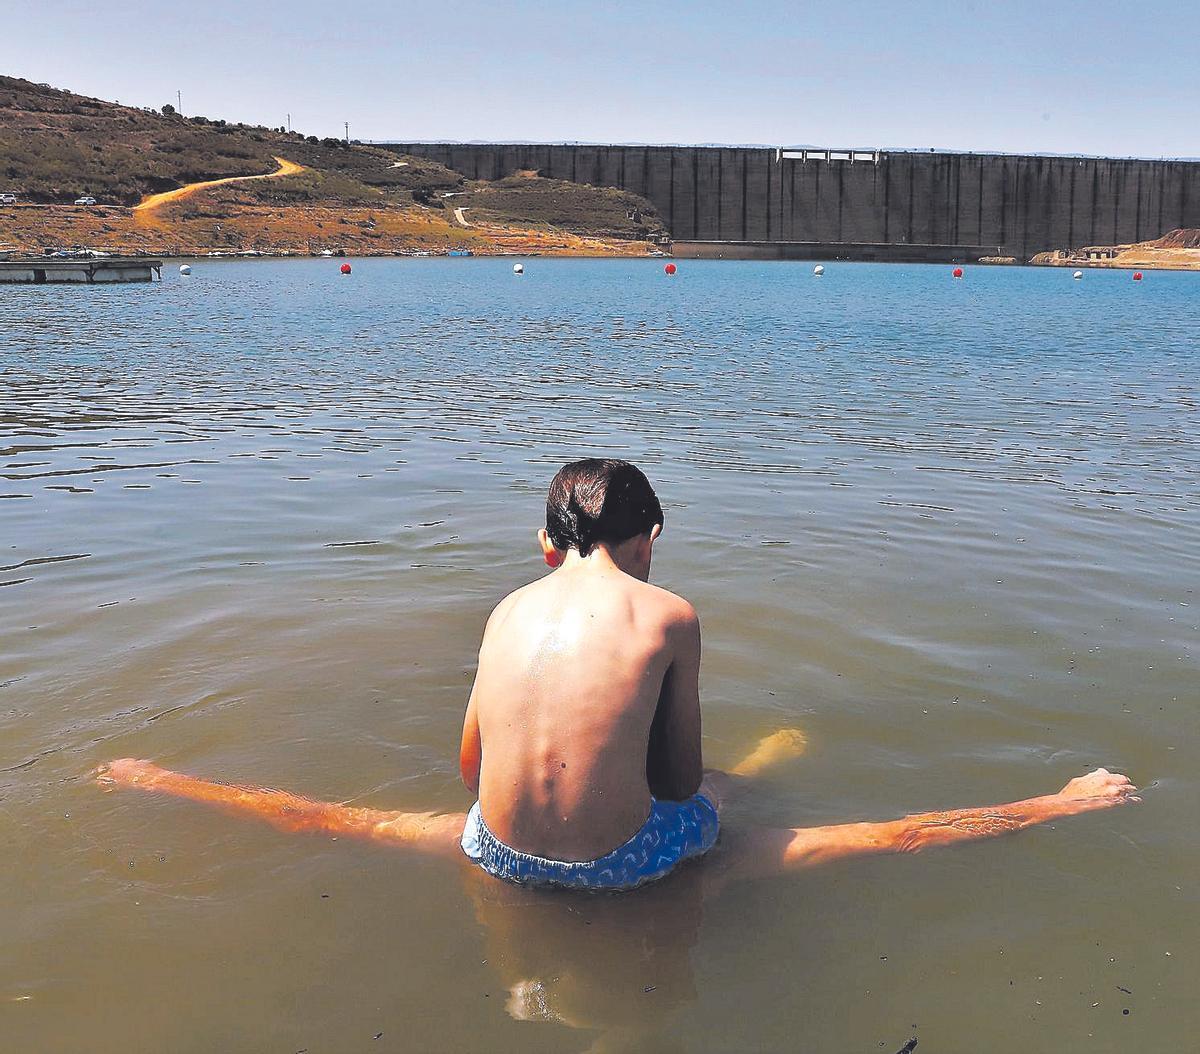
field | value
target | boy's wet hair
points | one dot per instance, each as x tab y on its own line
599	500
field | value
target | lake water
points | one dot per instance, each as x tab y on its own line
251	525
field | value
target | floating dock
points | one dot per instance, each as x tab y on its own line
84	270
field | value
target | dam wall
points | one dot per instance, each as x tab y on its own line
990	204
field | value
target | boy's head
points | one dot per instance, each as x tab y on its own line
599	500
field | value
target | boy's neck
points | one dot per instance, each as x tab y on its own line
602	558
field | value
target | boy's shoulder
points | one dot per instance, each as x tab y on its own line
512	599
673	609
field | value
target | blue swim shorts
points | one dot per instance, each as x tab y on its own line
673	832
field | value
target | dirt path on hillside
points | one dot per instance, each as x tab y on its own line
154	201
458	215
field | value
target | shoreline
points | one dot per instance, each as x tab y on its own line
1160	254
183	229
1139	264
180	230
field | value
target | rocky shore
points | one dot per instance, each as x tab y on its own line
185	230
1177	250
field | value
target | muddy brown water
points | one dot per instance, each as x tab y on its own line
251	524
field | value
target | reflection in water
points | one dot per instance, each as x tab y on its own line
616	965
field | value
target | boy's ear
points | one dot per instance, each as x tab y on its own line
552	556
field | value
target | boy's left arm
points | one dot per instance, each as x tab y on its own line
674	765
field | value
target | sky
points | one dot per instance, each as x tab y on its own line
1053	76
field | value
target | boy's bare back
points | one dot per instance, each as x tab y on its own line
586	701
572	671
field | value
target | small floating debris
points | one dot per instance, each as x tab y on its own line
1077	275
819	270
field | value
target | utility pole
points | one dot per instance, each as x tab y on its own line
347	131
289	122
179	102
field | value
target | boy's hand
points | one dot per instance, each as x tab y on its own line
1098	790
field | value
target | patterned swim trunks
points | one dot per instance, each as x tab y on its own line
673	832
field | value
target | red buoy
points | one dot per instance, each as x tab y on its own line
670	268
958	272
345	268
1137	276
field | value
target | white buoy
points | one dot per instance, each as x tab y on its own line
818	270
1077	275
185	269
518	268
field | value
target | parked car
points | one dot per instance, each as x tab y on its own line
87	199
8	199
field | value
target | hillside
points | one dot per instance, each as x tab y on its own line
55	146
305	193
528	198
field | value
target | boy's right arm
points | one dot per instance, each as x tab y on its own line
470	751
674	765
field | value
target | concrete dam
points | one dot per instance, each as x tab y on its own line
889	205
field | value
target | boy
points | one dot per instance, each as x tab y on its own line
582	732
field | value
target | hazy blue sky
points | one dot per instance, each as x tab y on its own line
1053	75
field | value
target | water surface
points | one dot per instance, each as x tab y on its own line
252	522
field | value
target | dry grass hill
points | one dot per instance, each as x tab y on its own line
56	146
